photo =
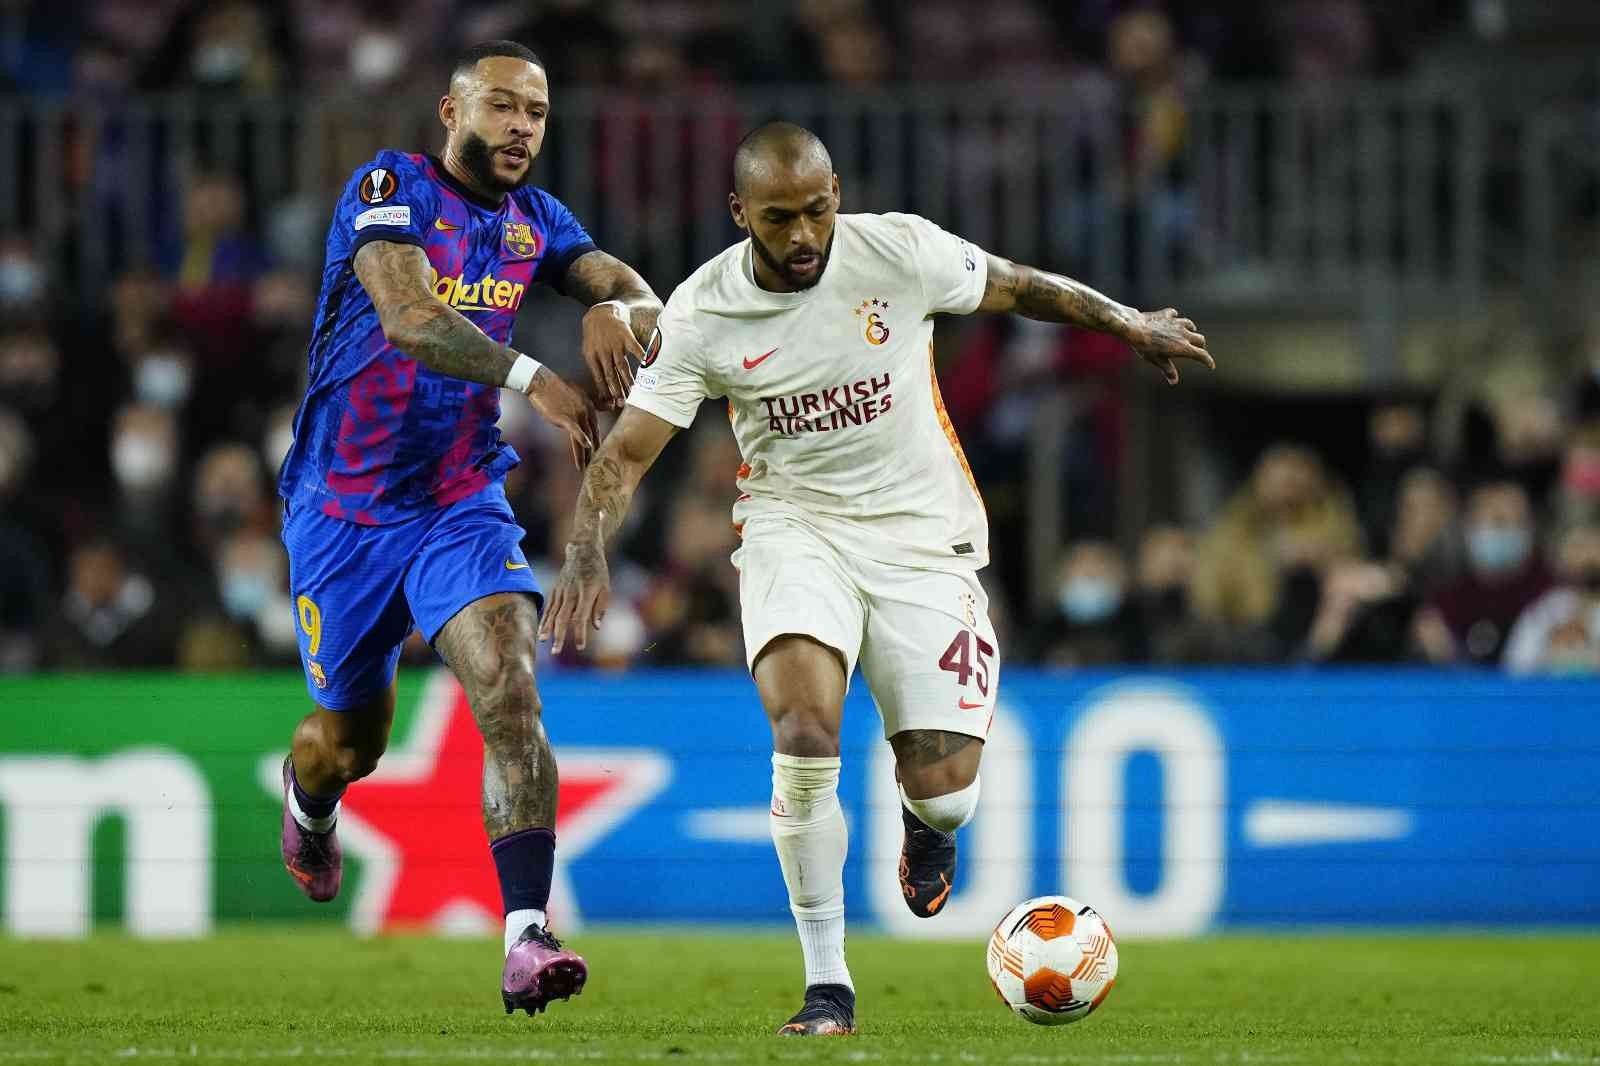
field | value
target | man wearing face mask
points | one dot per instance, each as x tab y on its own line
1560	631
396	515
1095	625
252	585
1468	620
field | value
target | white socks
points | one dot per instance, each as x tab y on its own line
308	823
948	812
517	921
808	829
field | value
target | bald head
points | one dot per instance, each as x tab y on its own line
785	196
778	151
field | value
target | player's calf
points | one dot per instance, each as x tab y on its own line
331	750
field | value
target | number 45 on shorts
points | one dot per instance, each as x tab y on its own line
961	659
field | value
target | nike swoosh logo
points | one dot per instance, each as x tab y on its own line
440	223
515	566
965	706
751	364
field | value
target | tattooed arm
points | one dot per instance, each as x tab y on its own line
395	275
622	315
578	601
1158	336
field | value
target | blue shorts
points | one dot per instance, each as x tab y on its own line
358	588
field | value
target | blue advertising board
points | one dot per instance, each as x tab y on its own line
1177	804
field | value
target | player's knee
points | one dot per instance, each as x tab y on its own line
353	762
938	779
503	685
802	728
803	782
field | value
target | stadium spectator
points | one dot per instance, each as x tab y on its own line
163	376
1364	614
1397	436
1165	571
1094	624
214	265
113	614
230	496
22	280
587	32
232	46
24	566
1529	432
1468	620
145	464
1325	42
1422	540
1578	499
1560	631
692	608
141	306
1259	567
252	584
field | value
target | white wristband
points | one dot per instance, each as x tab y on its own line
521	373
618	308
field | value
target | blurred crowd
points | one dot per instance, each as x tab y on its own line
1491	559
142	424
363	46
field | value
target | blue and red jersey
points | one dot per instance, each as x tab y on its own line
379	437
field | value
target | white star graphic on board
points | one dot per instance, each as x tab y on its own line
416	826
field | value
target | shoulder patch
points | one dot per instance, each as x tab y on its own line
653	349
377	185
393	215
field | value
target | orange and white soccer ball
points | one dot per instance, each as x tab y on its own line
1052	959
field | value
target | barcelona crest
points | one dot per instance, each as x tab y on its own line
521	240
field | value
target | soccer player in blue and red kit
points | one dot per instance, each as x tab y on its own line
395	515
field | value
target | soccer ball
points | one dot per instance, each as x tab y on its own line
1052	959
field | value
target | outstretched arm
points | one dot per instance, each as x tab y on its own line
583	590
1158	336
622	314
396	276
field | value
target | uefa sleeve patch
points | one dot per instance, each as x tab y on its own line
397	215
377	185
647	381
653	349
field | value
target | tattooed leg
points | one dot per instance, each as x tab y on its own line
489	645
932	762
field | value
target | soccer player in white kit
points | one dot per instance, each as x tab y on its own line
862	530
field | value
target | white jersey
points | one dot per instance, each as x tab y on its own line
831	389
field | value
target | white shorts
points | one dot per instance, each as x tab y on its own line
922	636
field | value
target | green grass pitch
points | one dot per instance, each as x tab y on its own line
317	996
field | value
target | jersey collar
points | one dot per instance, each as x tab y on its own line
461	190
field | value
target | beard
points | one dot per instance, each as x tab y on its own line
781	268
478	159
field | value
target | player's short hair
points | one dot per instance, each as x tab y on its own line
468	58
776	141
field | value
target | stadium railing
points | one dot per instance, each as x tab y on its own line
1370	196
